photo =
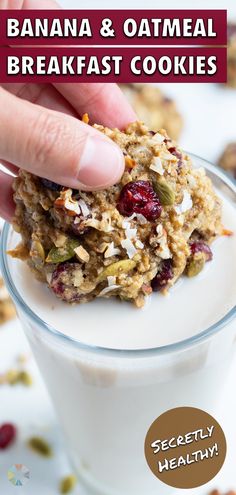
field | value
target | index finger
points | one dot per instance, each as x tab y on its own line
104	102
29	4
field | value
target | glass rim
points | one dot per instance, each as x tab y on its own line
165	349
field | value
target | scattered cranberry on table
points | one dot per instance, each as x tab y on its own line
161	280
7	435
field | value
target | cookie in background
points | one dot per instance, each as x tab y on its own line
154	108
7	310
218	492
231	80
228	159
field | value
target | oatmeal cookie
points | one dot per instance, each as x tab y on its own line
218	492
231	78
228	159
153	108
7	310
129	240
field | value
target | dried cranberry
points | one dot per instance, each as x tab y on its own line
53	186
139	197
7	435
173	150
79	229
166	99
162	278
201	247
62	282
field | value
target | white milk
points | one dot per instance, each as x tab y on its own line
107	400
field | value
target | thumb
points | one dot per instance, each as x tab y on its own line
57	146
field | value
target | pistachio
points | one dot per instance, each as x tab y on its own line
37	252
63	253
40	446
14	377
67	484
194	267
164	192
25	378
122	266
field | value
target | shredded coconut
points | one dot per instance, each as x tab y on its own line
103	225
157	167
84	208
191	181
111	280
158	138
169	157
141	219
92	222
82	254
159	229
111	250
77	220
133	216
125	224
129	247
108	289
65	200
130	233
49	277
138	216
139	244
163	250
106	221
72	206
185	205
200	171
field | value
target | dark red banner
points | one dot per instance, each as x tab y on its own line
113	65
116	27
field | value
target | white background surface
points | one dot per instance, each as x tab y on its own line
209	112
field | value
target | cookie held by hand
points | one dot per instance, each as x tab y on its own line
129	240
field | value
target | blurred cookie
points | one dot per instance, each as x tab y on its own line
228	159
218	492
7	310
231	79
153	108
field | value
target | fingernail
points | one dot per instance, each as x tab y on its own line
101	164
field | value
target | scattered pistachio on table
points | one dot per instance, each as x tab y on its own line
67	484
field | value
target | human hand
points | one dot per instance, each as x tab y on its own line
40	130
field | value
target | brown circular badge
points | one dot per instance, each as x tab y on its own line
185	447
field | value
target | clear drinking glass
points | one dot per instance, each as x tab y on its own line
107	399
